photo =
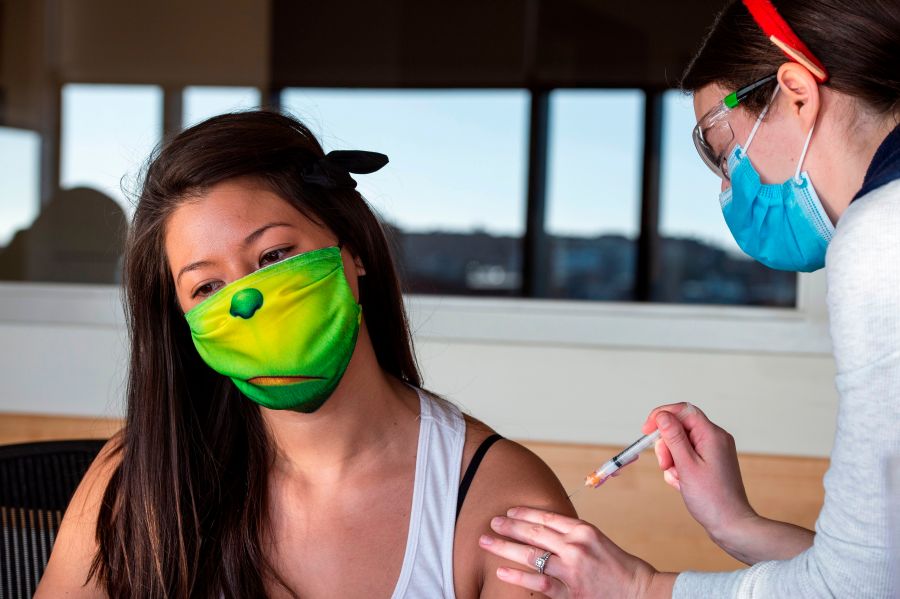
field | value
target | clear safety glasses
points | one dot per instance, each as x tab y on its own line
713	134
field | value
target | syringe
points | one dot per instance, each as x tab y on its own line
625	457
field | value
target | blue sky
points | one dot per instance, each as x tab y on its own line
457	156
594	172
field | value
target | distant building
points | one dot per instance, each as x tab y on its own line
590	268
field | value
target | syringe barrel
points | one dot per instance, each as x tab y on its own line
630	453
625	457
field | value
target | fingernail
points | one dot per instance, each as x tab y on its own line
485	540
502	572
663	420
495	522
511	512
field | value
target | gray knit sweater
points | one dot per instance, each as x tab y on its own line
850	555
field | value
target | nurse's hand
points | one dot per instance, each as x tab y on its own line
699	459
583	562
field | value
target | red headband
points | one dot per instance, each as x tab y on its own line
780	34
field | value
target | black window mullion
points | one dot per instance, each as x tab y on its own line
270	97
648	246
51	143
536	246
173	110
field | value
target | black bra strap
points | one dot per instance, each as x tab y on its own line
472	469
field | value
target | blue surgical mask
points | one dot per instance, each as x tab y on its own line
783	226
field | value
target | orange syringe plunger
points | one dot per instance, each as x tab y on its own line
594	480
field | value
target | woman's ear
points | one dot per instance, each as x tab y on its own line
357	261
360	268
800	93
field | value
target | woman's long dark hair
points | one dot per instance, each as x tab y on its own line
184	514
858	41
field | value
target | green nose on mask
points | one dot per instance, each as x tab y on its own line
246	302
284	333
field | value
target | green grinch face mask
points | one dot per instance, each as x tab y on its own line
285	333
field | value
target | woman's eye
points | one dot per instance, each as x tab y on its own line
273	256
206	290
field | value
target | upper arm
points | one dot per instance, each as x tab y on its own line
76	543
509	476
864	280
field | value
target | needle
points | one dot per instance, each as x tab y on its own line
576	491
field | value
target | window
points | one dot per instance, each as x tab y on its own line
19	199
108	131
202	102
19	180
593	192
454	191
700	261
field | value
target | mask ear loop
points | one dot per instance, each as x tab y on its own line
760	120
797	178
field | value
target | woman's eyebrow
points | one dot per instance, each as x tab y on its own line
255	235
247	241
192	266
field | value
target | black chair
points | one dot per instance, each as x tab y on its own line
37	480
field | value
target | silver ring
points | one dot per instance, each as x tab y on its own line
541	562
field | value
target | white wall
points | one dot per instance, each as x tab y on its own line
554	371
772	404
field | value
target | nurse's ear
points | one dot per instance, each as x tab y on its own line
799	94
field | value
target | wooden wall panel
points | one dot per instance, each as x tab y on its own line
22	428
637	509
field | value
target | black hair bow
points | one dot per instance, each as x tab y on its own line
333	169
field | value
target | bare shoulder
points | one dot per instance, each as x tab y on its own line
510	472
76	543
510	475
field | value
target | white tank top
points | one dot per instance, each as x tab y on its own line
427	569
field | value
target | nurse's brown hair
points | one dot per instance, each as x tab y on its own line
184	514
858	41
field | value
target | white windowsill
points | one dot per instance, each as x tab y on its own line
664	327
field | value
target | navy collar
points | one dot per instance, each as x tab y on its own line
885	165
